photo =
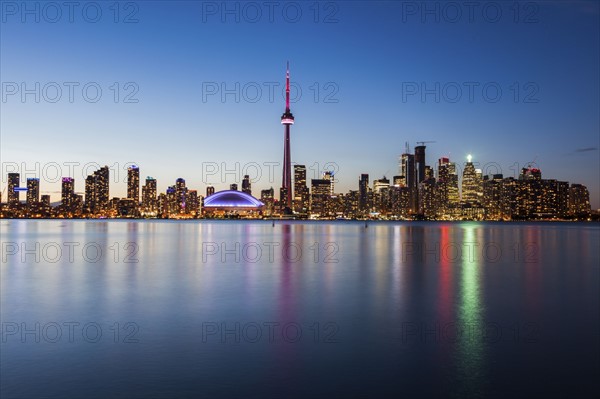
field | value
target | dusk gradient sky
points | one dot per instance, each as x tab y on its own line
362	57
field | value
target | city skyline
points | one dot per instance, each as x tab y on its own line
419	192
266	171
356	110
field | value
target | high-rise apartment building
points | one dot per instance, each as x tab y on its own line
13	195
67	193
149	192
33	191
133	183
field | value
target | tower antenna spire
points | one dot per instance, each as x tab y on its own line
287	88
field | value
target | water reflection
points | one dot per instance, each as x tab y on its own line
445	308
387	274
470	318
286	326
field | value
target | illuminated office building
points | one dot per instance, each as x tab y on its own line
407	169
320	193
246	185
400	201
530	193
420	163
301	198
329	175
471	184
381	195
379	184
492	196
452	184
442	187
427	198
579	201
363	193
267	197
429	172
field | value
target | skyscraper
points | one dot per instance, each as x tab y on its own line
420	173
172	204
447	195
67	192
96	191
210	190
470	184
300	190
33	191
492	196
453	193
363	192
407	169
13	182
162	205
420	163
90	194
287	119
149	196
133	183
246	185
193	202
442	185
579	200
320	193
530	182
329	176
268	198
427	199
101	184
181	195
381	197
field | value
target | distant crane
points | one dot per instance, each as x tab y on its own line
423	142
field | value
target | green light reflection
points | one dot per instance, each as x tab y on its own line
470	342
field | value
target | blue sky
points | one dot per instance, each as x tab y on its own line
361	66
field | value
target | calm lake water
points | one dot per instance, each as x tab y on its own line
299	309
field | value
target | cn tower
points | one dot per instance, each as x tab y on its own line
287	119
